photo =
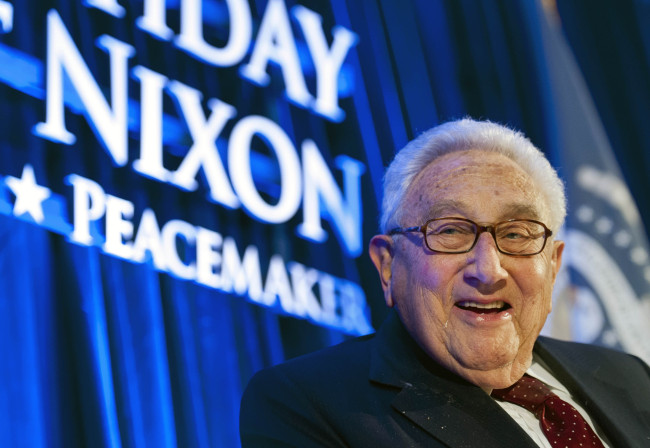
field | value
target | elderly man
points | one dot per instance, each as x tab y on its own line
467	258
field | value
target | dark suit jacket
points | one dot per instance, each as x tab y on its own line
383	391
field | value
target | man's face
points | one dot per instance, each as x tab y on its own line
442	298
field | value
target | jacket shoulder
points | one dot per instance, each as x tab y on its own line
568	347
590	357
294	403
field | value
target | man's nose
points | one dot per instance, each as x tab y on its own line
484	261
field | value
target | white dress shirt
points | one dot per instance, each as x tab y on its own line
527	419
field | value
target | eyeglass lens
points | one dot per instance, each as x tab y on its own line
520	237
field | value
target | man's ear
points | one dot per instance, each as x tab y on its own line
556	257
381	254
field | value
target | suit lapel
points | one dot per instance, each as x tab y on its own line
458	413
460	416
619	414
449	408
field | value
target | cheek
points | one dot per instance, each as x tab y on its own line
411	282
536	278
411	268
536	290
429	280
421	286
431	290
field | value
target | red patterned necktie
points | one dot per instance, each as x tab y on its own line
562	423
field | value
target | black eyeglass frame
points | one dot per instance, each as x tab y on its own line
479	230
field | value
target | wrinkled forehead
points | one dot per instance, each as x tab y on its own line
474	181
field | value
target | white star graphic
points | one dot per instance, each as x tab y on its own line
29	195
6	17
638	255
585	214
622	238
604	225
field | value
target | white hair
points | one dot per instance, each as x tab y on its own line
463	135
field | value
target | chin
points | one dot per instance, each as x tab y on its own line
493	376
487	363
487	353
488	359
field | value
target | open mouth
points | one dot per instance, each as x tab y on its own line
484	308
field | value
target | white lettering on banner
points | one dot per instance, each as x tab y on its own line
109	6
241	276
239	165
208	257
119	227
328	62
277	285
312	181
238	161
240	33
203	153
150	162
306	304
202	255
153	20
275	43
170	234
110	124
320	190
89	206
149	240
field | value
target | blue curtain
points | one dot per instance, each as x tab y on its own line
611	42
100	352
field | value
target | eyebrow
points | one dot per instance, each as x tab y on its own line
520	211
445	207
449	207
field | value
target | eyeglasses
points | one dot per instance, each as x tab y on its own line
518	237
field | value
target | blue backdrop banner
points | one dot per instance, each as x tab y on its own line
187	189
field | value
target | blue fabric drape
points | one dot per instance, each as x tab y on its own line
100	352
611	42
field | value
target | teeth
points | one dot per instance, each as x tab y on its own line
497	304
